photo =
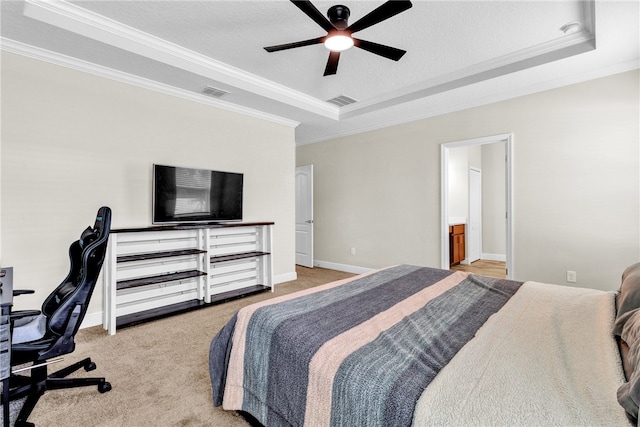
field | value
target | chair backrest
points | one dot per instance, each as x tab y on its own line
66	306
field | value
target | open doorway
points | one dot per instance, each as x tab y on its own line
493	157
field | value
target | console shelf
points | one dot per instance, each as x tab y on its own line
233	257
154	272
154	255
184	307
161	278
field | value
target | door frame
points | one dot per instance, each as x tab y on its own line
508	139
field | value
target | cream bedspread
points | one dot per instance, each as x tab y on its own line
547	358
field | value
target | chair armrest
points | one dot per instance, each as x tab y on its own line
19	314
17	292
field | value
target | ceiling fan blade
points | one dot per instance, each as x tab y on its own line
294	44
385	11
312	12
379	49
332	63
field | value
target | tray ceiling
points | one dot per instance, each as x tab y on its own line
459	53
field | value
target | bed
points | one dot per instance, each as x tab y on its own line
410	345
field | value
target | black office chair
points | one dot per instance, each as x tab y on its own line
39	336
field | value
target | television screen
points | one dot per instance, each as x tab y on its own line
195	195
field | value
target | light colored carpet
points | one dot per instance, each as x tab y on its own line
158	370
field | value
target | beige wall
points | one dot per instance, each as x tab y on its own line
72	142
494	222
576	184
460	160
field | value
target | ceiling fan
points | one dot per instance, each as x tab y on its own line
339	39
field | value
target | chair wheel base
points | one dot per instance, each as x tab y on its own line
103	388
90	367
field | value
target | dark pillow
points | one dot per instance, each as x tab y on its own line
629	297
629	392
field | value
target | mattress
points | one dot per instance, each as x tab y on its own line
412	345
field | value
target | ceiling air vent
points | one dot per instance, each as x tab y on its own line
214	92
341	100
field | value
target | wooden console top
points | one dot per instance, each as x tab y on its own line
170	227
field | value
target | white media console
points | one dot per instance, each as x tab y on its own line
154	272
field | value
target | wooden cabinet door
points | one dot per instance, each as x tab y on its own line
459	247
456	244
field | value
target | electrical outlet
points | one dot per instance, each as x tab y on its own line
571	276
353	251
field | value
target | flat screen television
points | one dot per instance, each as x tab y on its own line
195	195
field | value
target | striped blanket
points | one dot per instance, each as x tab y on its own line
355	352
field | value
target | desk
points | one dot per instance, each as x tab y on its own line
6	300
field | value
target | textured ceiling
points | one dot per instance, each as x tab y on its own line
459	53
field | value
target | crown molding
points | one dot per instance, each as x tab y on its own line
496	97
19	48
81	21
70	17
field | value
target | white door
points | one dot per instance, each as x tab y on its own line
474	228
304	216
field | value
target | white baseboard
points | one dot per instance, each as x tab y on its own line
286	277
493	257
92	319
342	267
487	257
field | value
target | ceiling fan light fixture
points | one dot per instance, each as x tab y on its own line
338	43
338	38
